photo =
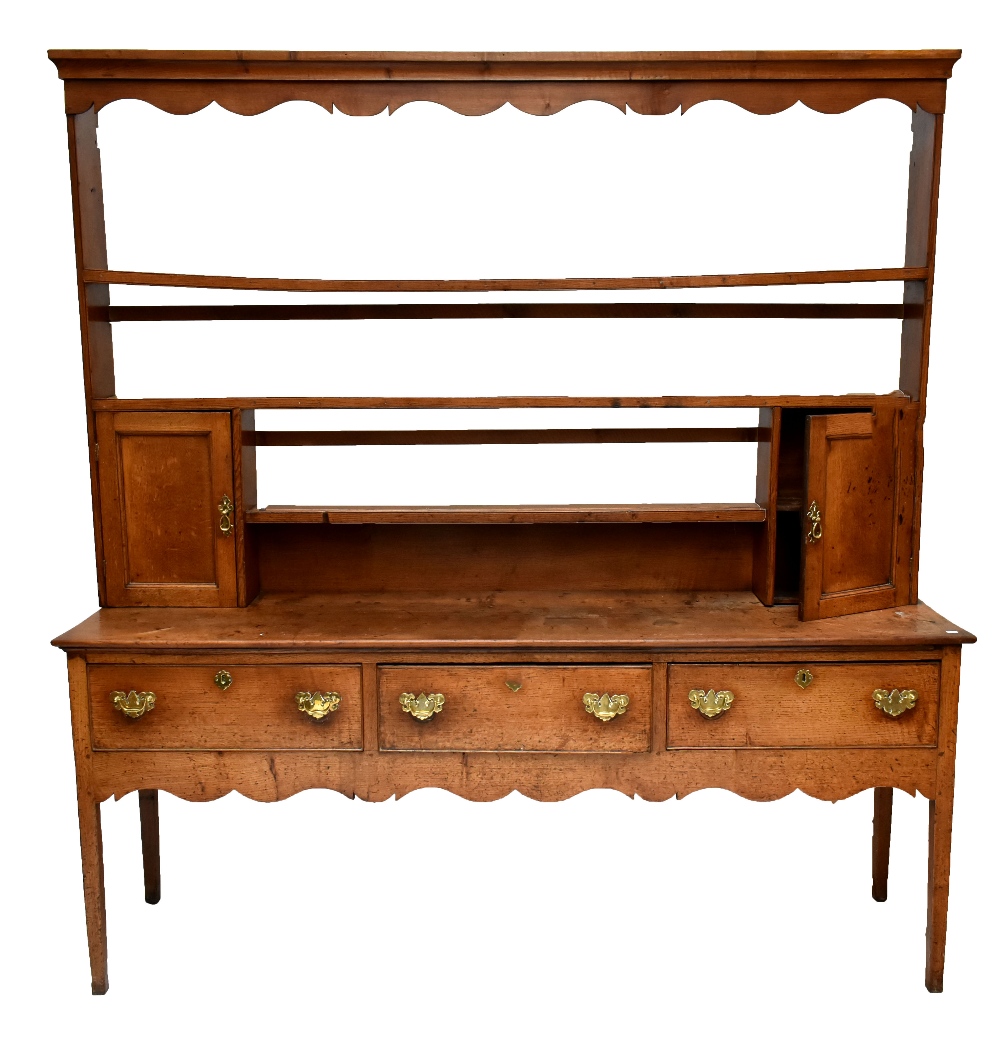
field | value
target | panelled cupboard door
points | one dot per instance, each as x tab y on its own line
163	476
850	514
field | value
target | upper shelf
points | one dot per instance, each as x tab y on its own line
531	284
364	83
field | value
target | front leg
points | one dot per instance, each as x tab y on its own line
91	845
92	853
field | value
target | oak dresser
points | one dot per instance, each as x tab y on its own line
656	649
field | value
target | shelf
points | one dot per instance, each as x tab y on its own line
507	436
506	311
510	515
530	284
226	404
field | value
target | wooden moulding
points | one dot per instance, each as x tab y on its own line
365	83
512	515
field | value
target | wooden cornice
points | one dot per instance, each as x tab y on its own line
365	83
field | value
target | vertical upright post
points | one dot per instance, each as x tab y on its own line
921	232
95	330
765	541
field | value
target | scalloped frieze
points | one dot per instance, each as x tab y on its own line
541	98
760	775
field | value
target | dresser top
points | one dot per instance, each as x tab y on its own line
673	621
475	82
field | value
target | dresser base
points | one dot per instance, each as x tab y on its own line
803	715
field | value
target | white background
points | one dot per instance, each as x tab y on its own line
433	921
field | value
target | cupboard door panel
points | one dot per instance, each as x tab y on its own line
163	475
849	528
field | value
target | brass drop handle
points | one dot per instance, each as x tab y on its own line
894	702
603	706
712	703
226	509
814	533
422	707
318	705
133	704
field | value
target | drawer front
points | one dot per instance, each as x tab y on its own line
258	710
834	709
521	707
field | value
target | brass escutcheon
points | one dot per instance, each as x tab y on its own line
897	701
318	705
422	707
711	703
226	509
223	679
513	686
803	677
603	706
133	704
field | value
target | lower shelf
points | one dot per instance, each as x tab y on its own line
510	515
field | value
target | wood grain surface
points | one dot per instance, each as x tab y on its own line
526	620
483	712
836	709
162	477
257	711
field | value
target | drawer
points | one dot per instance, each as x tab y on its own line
258	710
834	709
518	707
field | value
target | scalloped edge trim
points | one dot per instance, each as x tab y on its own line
542	98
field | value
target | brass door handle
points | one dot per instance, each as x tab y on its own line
133	704
318	705
226	509
894	702
422	707
814	533
712	703
603	706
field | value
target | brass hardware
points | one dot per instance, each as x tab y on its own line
318	705
896	702
803	678
815	533
223	679
605	707
226	509
133	704
714	702
423	706
513	686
